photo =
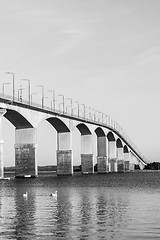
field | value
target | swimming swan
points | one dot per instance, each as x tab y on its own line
25	195
54	194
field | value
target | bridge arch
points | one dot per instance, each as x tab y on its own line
125	149
84	130
17	119
119	143
111	137
58	124
99	132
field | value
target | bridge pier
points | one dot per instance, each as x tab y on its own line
120	159
2	112
87	154
112	156
25	152
126	161
64	154
102	161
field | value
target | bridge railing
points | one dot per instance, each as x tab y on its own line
105	122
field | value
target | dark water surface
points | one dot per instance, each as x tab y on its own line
112	206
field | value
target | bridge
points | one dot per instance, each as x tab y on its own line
115	151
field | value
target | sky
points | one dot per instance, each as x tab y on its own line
103	53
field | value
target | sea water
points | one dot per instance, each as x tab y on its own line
108	206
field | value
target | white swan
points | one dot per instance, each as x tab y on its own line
25	195
54	194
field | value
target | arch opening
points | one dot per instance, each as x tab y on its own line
99	132
84	130
119	143
125	149
17	119
59	125
110	137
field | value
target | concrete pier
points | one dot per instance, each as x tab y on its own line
64	154
2	112
87	165
1	160
112	156
102	161
126	161
120	159
26	153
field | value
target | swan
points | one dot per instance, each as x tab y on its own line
54	194
25	195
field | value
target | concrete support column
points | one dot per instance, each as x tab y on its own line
87	165
112	156
2	112
120	160
126	161
102	161
64	154
131	162
1	160
26	152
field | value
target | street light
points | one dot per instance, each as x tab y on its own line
70	105
41	86
43	100
78	108
32	96
54	100
3	87
84	110
62	100
29	89
20	93
73	110
13	83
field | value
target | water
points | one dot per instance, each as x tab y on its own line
113	206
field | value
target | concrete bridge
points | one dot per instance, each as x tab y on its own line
115	152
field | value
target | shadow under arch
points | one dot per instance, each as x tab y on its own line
125	149
119	143
99	132
110	137
58	124
18	120
84	130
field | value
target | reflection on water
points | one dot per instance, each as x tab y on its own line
112	206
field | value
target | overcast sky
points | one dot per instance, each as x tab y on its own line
104	53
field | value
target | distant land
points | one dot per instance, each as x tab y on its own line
49	168
53	168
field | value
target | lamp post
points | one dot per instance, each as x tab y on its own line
29	90
43	100
53	100
78	108
73	110
70	105
94	114
84	110
3	87
13	84
41	86
32	96
90	114
62	100
20	93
